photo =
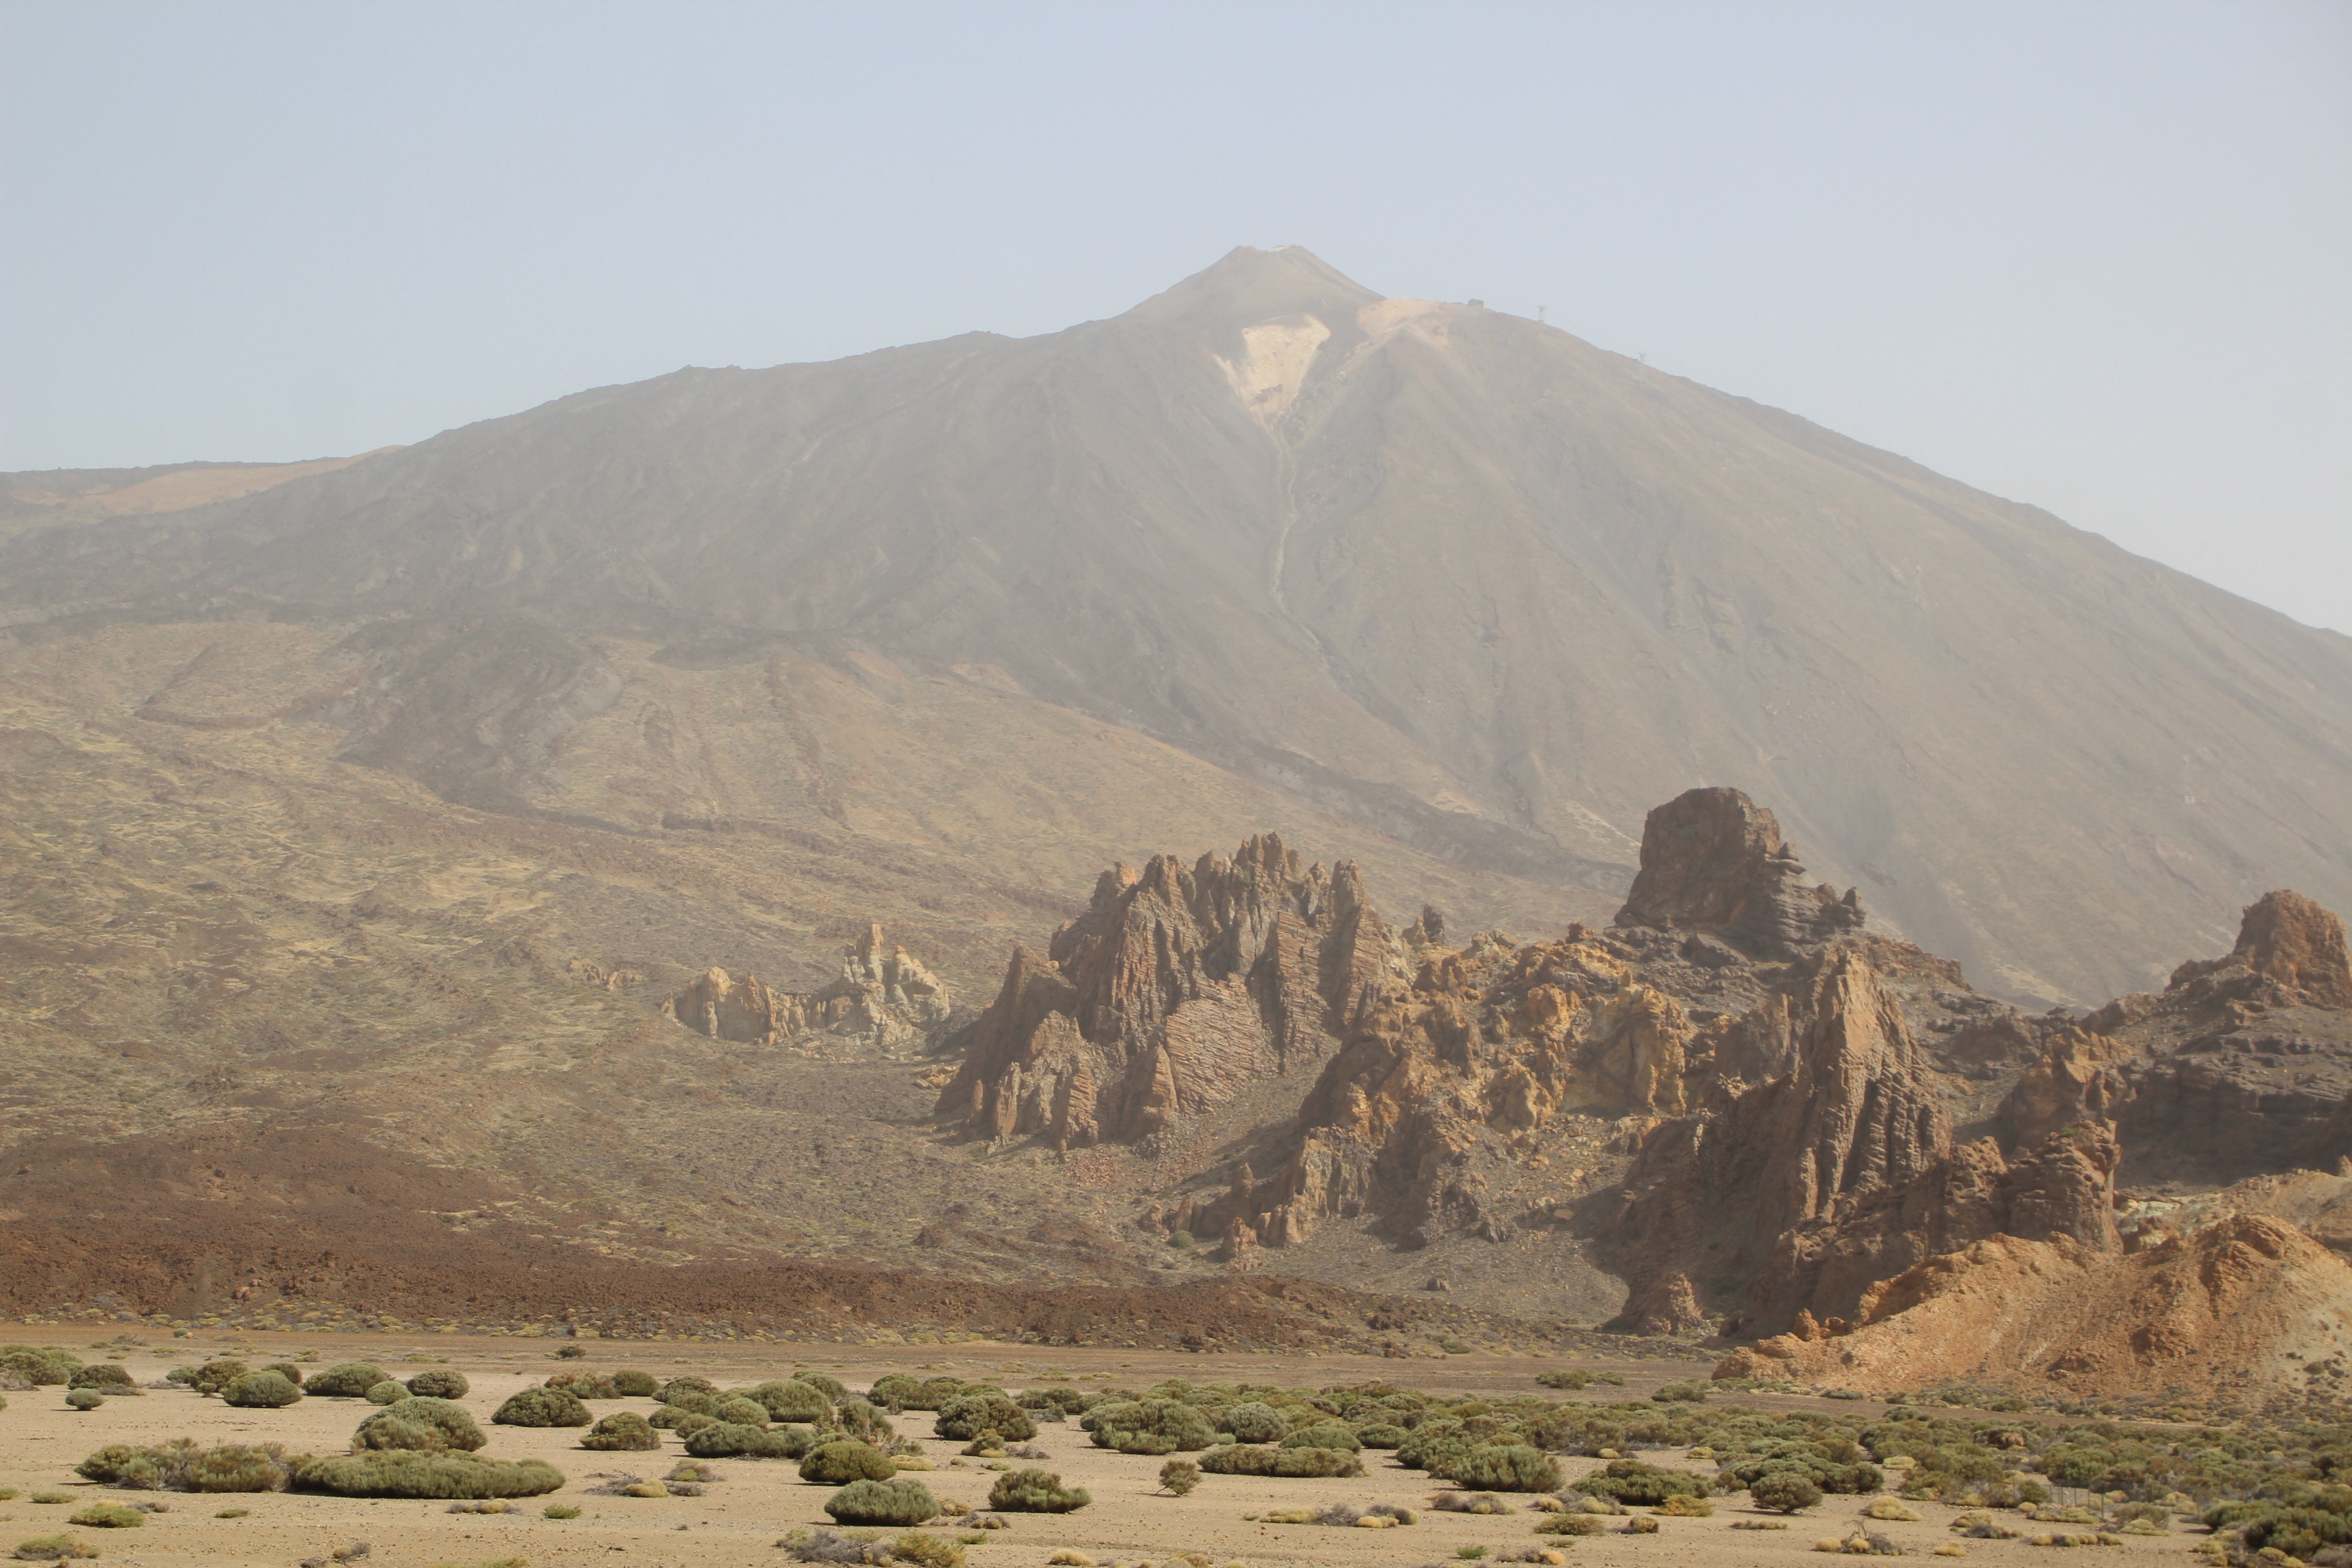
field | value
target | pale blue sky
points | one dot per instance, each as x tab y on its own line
2096	257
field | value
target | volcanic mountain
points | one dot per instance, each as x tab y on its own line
1460	580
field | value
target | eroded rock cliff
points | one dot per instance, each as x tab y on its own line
1174	990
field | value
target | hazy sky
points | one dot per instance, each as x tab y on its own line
2096	257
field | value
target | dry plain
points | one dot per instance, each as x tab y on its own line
742	1519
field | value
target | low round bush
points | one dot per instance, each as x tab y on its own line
261	1390
1784	1491
838	1464
388	1393
824	1383
1151	1427
1178	1477
699	1401
103	1374
84	1398
286	1370
349	1379
40	1365
1507	1468
1382	1436
440	1382
677	1385
53	1547
542	1407
741	1411
181	1466
109	1516
1254	1422
893	1502
401	1474
684	1423
1637	1484
792	1399
636	1384
624	1430
723	1439
967	1416
1034	1491
1265	1459
215	1375
1324	1435
1570	1524
864	1421
421	1424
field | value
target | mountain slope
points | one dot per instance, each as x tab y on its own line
1461	579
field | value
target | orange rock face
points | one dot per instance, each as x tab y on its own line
1175	989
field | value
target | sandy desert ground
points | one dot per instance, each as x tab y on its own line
740	1520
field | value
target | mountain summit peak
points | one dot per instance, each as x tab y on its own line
1247	285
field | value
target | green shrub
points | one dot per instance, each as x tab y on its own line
1063	1401
1639	1485
900	1392
1681	1394
1573	1377
686	1422
636	1384
741	1411
261	1390
1784	1491
402	1474
348	1379
722	1440
585	1385
440	1382
542	1407
1254	1422
103	1375
837	1464
624	1431
1379	1436
1570	1524
53	1547
1508	1467
559	1510
84	1398
1324	1435
693	1399
109	1516
181	1466
1178	1477
1034	1491
38	1365
893	1502
286	1370
967	1416
864	1421
1149	1426
388	1393
1264	1460
215	1375
788	1399
669	1392
419	1425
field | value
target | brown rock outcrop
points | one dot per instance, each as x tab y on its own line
2241	1066
884	1000
2250	1301
1713	861
1173	991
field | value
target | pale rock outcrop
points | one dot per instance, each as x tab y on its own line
1176	989
885	1000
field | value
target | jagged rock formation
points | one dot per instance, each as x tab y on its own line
2242	1065
1713	861
1175	989
2247	1300
884	1001
1741	1037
